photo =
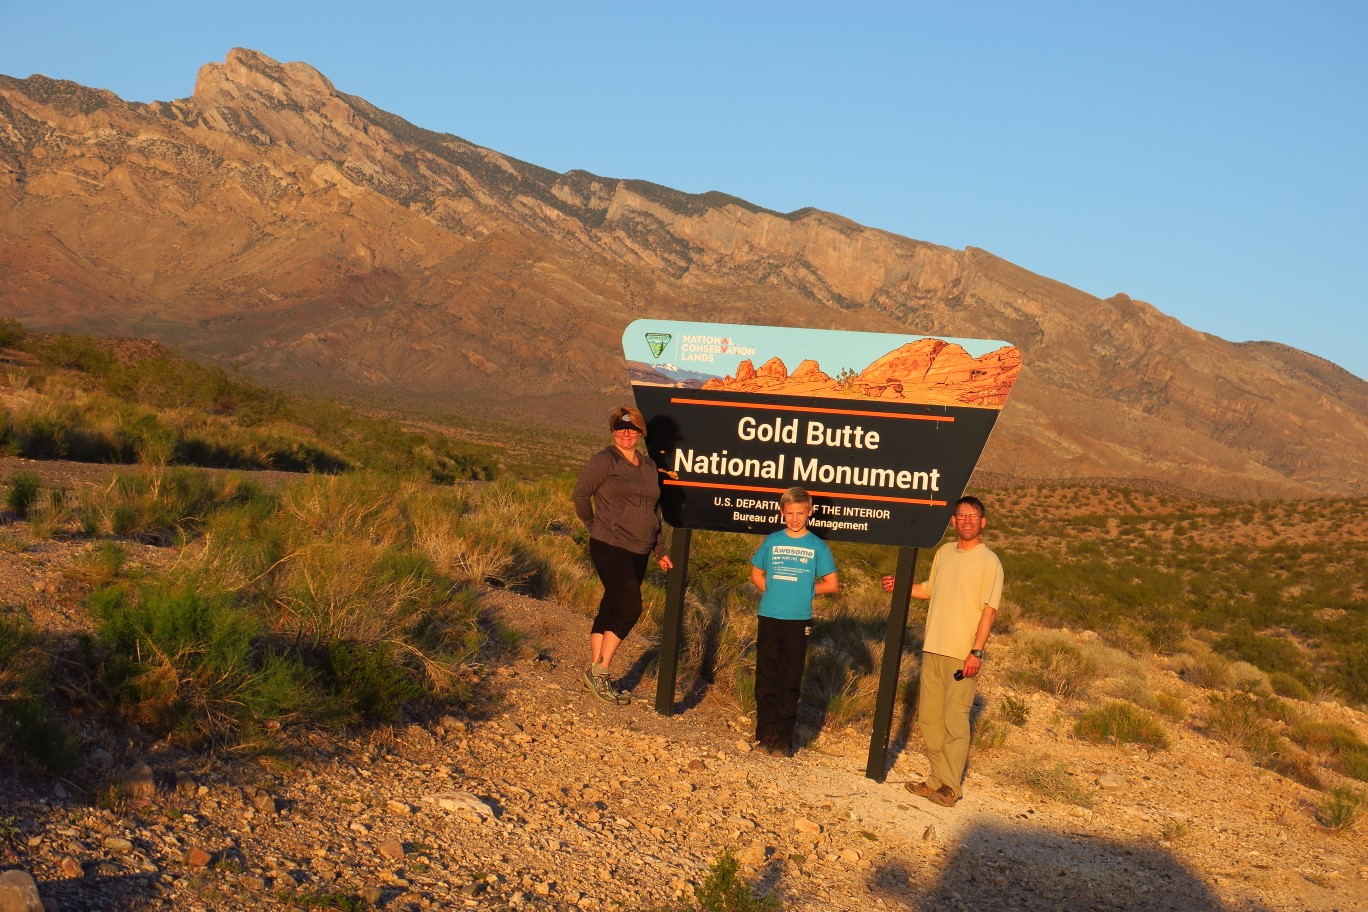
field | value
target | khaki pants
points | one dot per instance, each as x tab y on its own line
943	706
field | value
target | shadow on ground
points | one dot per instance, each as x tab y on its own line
1003	867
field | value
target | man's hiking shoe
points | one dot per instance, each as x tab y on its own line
920	788
944	796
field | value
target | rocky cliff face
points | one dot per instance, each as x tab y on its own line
273	221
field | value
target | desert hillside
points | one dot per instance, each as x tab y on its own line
274	222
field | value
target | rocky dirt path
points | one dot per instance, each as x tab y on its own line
555	801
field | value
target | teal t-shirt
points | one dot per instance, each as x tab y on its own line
792	567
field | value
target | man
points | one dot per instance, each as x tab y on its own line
965	589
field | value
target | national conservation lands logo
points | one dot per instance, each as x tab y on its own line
656	342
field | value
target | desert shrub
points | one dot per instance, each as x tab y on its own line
1336	743
842	690
1354	764
49	514
159	505
1341	810
38	435
1174	830
988	734
1247	720
1329	738
23	493
371	683
1206	669
103	563
177	661
344	573
1350	674
1287	685
12	333
1263	649
1119	722
1166	634
1248	677
1052	780
1053	661
1171	706
724	890
1294	764
1014	709
30	727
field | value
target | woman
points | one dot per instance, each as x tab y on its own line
617	496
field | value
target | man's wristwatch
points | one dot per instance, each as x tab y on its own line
977	653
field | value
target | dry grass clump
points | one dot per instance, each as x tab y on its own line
1205	669
1049	779
1253	722
1121	722
1055	662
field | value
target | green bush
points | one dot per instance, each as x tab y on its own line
1288	685
1171	706
369	683
1342	810
1014	709
1354	764
724	890
1119	722
30	727
23	493
177	661
12	333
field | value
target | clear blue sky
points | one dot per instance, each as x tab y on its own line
1210	158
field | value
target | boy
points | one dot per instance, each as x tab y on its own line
790	567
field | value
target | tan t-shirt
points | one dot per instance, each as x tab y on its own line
961	583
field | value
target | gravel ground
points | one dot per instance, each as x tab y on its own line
554	800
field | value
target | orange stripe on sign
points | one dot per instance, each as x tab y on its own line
804	408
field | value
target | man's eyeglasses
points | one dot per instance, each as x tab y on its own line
963	516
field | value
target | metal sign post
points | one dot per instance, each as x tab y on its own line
673	623
890	669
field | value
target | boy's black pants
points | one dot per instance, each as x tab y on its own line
780	654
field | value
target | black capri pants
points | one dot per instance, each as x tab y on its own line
621	572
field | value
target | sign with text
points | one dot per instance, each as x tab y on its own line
883	430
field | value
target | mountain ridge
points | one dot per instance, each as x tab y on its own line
273	222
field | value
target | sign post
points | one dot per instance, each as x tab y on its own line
882	430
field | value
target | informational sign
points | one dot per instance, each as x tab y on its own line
883	430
